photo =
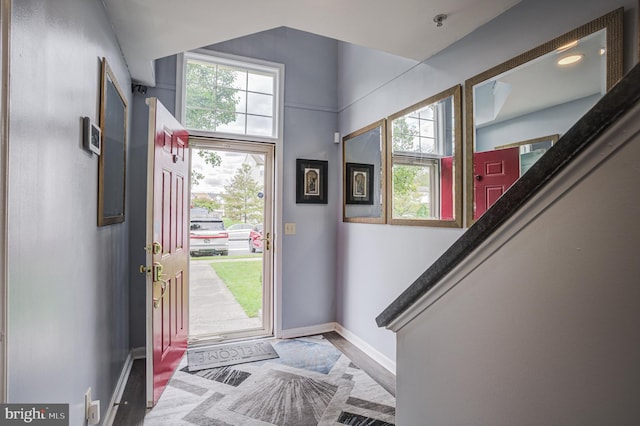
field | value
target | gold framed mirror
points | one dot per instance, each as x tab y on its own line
112	163
363	158
424	164
534	98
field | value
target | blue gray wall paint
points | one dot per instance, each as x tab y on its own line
377	262
68	279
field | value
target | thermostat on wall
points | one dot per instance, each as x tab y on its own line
91	136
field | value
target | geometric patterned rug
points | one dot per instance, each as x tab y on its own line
311	383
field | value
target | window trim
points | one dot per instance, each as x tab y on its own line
207	55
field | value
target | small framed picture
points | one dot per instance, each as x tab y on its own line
359	183
311	181
91	136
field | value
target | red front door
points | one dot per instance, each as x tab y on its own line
168	293
493	172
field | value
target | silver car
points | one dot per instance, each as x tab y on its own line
240	231
208	237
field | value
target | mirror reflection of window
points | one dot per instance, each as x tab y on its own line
423	150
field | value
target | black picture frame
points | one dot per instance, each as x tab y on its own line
311	181
359	183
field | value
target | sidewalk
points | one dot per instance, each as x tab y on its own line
212	307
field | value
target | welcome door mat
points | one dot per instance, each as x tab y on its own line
229	354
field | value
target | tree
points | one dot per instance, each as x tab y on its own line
405	189
211	101
402	135
241	198
196	177
210	205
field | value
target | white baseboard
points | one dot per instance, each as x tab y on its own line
112	409
375	354
139	352
306	331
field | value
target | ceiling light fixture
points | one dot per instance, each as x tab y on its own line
567	46
439	18
602	51
571	59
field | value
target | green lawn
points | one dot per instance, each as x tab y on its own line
244	279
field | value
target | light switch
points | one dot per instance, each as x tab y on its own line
289	228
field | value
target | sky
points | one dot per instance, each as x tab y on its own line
216	177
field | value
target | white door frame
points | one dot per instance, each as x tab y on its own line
272	258
5	31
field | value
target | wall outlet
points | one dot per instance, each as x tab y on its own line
94	413
289	229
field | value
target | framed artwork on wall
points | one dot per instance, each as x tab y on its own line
311	181
359	183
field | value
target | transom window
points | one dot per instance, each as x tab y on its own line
225	95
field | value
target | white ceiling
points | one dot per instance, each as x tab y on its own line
151	29
542	83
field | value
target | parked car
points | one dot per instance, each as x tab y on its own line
240	231
208	237
255	239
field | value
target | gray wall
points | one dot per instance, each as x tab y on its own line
377	262
544	331
165	91
550	121
310	120
68	279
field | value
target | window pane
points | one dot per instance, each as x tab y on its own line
262	83
241	102
231	100
426	113
200	85
427	129
259	126
427	145
413	125
234	126
259	104
415	189
232	77
199	118
219	96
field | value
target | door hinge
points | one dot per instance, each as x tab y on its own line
154	248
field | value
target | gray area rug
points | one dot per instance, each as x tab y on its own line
229	354
310	383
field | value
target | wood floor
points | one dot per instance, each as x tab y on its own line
132	408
